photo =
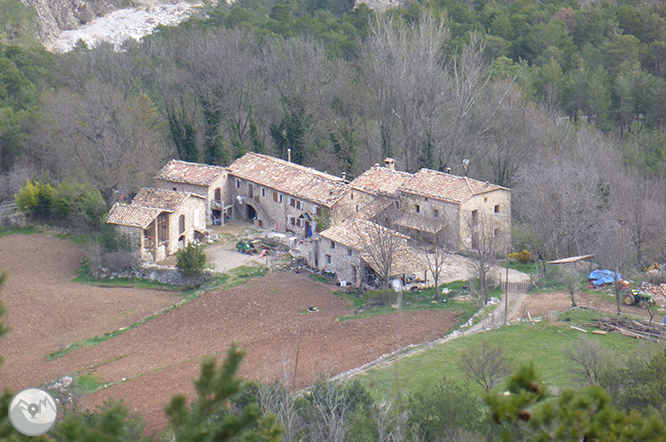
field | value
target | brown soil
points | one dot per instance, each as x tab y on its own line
540	304
146	366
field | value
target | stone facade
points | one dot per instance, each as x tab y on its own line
493	218
344	261
209	182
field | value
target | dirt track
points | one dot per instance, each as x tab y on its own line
46	311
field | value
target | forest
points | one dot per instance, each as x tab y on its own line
563	101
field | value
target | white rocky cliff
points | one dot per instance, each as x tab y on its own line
62	22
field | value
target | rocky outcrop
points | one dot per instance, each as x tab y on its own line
55	16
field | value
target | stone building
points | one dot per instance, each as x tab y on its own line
457	209
204	180
160	221
354	249
284	196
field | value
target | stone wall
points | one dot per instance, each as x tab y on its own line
345	262
490	219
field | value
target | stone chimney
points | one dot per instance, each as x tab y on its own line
389	163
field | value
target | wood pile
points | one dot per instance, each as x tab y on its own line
631	328
658	292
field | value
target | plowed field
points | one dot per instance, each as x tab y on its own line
148	364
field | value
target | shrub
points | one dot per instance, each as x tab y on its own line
380	297
35	199
111	239
524	257
191	261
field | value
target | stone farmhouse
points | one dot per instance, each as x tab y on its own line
159	221
330	216
209	182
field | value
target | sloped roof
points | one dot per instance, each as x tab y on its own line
189	173
380	180
357	232
165	200
289	178
131	215
446	187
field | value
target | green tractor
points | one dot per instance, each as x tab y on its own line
634	296
245	246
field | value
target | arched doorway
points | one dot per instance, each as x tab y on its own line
251	213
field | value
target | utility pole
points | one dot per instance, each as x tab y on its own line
506	291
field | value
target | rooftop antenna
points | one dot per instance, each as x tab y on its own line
465	164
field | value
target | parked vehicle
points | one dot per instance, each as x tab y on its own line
634	296
245	246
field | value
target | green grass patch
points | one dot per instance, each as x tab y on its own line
319	278
29	230
246	272
528	267
411	301
87	383
543	344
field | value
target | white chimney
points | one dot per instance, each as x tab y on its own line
389	163
289	155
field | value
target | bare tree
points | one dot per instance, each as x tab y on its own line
99	136
433	253
571	279
588	361
484	248
487	366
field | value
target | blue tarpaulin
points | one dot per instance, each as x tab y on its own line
601	277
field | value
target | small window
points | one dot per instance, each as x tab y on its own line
238	183
332	244
435	213
292	202
275	196
279	197
299	222
497	233
291	220
497	209
352	195
358	207
181	224
397	204
328	259
299	205
317	211
263	192
349	252
417	208
485	199
174	188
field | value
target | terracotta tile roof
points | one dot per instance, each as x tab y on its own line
356	233
289	178
380	180
190	173
166	200
446	187
349	233
130	215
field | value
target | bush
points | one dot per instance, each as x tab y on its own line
111	239
381	297
80	204
191	261
523	257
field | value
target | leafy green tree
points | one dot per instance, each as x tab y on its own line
439	412
191	261
290	133
207	418
35	199
582	415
